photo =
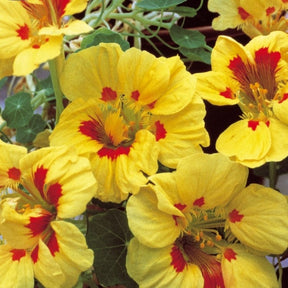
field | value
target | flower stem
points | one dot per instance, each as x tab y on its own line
55	66
272	174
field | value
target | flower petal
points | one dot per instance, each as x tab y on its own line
258	217
158	270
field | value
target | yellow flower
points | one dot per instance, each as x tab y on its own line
10	156
55	184
261	18
254	77
32	32
186	227
125	126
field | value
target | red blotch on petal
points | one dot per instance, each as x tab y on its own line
160	131
180	206
178	262
113	153
267	59
234	216
54	193
108	94
39	179
37	225
270	10
285	97
253	124
34	254
17	254
135	95
35	46
93	129
61	6
53	244
199	202
229	254
227	93
14	173
243	13
23	32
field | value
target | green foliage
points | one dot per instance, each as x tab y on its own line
106	36
108	236
151	5
27	133
18	110
184	11
197	54
187	38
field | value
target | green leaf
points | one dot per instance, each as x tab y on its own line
184	11
3	81
158	4
18	110
197	54
187	38
106	36
28	133
108	236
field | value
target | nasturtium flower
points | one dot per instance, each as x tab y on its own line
55	184
201	232
131	110
10	156
254	77
261	18
32	32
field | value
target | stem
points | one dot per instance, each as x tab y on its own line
272	174
55	66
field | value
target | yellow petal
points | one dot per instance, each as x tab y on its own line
158	270
245	142
73	256
16	268
30	59
243	269
74	27
143	209
217	88
94	68
258	217
194	189
66	180
182	134
46	269
75	6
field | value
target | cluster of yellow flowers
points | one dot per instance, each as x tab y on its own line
198	226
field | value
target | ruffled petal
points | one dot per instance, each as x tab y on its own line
72	253
74	6
95	69
182	134
258	217
143	209
61	178
246	142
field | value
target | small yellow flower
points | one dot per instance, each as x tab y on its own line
254	77
32	32
261	18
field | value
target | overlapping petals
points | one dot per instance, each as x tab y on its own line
186	227
261	18
253	77
54	183
126	126
32	32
